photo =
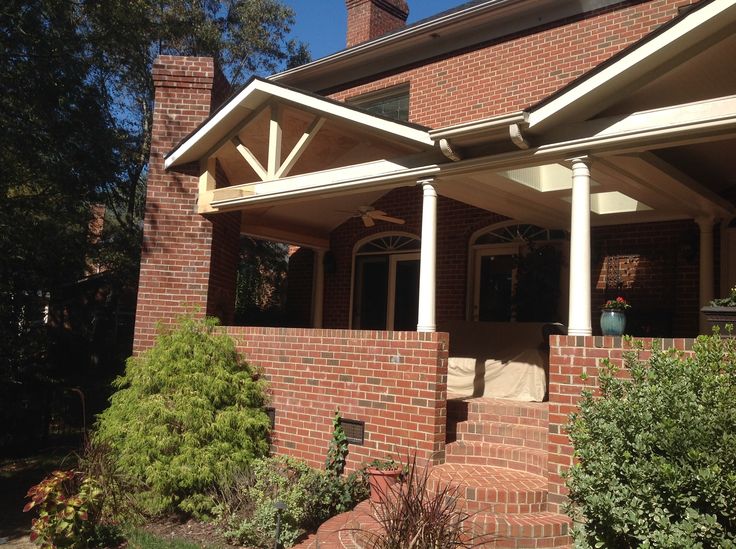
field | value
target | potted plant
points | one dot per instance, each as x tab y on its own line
613	316
382	474
721	312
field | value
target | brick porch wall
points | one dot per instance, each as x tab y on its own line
570	357
394	381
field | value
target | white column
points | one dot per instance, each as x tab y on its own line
318	288
705	295
579	322
428	264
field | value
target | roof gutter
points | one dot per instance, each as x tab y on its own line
499	127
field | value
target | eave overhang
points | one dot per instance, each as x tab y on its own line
643	61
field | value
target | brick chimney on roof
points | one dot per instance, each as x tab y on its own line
369	19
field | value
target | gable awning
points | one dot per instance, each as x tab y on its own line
245	107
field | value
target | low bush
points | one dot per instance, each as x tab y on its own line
247	505
187	412
68	505
656	453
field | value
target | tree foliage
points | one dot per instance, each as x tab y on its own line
76	98
187	413
657	453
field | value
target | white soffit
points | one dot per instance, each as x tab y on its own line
258	92
545	179
613	202
640	64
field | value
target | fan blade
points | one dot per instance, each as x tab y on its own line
376	213
389	219
367	220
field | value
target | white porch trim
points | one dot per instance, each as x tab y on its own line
589	95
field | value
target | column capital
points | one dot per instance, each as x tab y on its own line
426	181
706	222
580	159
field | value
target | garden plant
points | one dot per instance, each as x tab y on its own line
656	451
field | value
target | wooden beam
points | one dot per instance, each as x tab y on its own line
274	141
251	159
236	130
299	236
300	146
207	184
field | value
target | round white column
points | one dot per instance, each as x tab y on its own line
579	314
705	295
428	262
318	288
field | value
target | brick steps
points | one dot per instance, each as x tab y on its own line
510	434
496	463
518	458
526	531
485	488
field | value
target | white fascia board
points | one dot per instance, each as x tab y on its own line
478	127
259	91
716	16
360	177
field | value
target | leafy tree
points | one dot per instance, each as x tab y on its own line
56	152
656	453
187	413
76	99
261	276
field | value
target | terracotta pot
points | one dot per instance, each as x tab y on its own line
381	483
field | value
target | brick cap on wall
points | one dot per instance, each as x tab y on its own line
173	71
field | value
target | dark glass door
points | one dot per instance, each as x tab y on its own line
371	295
406	298
496	285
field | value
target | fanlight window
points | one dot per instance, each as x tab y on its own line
519	233
389	244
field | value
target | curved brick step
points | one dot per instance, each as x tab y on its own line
489	489
519	458
503	433
528	531
496	409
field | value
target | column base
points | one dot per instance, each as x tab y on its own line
432	328
579	331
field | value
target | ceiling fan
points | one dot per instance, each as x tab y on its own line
369	215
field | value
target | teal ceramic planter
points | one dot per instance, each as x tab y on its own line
613	323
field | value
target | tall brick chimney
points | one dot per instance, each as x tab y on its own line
188	261
369	19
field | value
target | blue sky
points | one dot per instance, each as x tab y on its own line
321	23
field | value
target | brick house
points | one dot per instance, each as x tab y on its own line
441	179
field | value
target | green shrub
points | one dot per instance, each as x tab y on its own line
187	413
657	453
68	506
247	505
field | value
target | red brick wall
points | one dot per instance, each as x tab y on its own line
657	267
569	358
369	19
178	269
516	71
394	381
